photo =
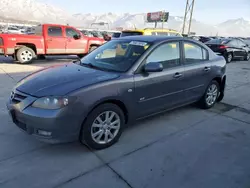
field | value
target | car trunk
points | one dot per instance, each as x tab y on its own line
215	47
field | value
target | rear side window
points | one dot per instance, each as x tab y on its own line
218	41
55	32
233	43
194	53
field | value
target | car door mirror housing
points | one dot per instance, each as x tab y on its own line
77	37
153	67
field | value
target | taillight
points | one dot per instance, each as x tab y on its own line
223	47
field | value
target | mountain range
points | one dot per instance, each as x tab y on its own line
33	11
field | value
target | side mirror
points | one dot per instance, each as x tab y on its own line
153	67
77	37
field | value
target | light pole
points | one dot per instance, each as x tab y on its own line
188	15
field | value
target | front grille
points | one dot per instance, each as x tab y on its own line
17	97
1	41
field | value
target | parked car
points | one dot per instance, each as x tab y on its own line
150	31
230	48
124	80
49	39
116	35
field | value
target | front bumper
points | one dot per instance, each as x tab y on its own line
52	126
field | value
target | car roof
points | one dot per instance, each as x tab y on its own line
150	38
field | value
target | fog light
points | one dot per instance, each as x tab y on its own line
44	133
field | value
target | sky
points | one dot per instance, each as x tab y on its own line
207	11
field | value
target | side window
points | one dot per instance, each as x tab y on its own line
55	31
71	32
234	43
167	54
194	53
241	44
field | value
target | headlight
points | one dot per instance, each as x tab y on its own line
52	103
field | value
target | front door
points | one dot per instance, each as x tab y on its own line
198	71
55	40
75	45
158	91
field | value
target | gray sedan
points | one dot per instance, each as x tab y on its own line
124	80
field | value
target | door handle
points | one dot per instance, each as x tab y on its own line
206	69
177	75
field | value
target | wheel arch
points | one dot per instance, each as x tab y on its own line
115	101
222	83
29	45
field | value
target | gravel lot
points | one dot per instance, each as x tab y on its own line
184	148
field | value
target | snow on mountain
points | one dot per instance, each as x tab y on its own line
31	10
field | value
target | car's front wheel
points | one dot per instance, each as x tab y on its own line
103	127
211	95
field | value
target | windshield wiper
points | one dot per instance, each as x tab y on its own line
91	66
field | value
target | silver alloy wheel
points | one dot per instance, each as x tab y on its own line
212	94
26	55
229	57
248	56
105	127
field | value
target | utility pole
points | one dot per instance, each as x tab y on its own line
188	15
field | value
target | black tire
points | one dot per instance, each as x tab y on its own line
247	57
41	57
92	48
86	132
229	57
203	101
25	59
80	56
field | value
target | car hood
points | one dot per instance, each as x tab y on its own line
61	80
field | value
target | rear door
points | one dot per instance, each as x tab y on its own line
75	45
158	91
55	40
197	70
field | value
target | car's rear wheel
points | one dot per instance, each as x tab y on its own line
247	57
210	96
25	55
103	127
229	57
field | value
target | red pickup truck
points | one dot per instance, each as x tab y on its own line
48	39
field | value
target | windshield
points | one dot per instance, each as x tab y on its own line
130	33
116	55
218	41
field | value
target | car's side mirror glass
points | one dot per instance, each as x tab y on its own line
153	67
